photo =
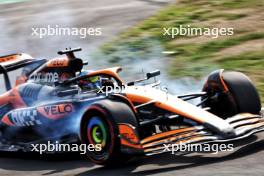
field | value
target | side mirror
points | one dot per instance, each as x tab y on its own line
153	74
148	76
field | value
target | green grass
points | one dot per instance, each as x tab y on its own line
186	12
196	59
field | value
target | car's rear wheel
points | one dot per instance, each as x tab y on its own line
231	93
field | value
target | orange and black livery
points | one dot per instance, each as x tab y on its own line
58	100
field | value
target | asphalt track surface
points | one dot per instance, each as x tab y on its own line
114	16
245	160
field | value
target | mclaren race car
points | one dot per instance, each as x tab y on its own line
57	100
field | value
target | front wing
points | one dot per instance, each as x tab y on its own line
244	125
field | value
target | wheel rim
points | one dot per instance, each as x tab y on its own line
96	131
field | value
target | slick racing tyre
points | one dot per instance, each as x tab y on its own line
231	93
99	126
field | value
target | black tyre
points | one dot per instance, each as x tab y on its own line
99	126
244	92
241	96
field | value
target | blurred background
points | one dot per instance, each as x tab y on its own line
132	37
189	59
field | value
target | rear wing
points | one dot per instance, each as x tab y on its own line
14	61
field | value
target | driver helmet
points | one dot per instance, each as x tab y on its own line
90	83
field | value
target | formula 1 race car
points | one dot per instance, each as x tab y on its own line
56	100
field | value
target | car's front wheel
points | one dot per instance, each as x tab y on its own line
99	127
231	93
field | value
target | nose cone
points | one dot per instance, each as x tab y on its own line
224	130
